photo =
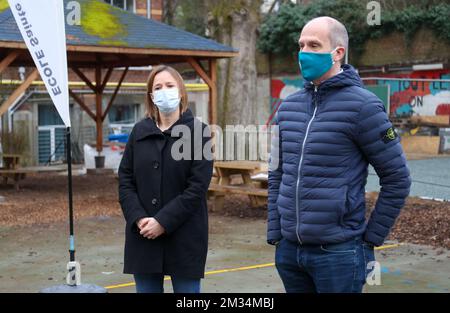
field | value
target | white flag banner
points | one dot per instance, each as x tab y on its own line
42	26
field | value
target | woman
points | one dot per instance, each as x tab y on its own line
162	197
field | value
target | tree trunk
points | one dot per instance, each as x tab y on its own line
169	8
237	78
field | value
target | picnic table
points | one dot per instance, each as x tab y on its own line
11	161
261	179
222	182
15	174
10	169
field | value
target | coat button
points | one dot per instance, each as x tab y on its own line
155	164
154	201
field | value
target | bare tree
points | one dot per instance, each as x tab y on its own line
235	23
169	10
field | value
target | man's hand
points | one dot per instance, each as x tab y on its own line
151	228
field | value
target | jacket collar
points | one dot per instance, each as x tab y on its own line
148	126
347	77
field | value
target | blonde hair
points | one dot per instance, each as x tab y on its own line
152	109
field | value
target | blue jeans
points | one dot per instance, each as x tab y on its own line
327	268
154	283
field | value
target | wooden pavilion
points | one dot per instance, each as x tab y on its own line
109	38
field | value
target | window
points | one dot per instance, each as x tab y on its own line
128	5
51	134
122	118
48	115
123	114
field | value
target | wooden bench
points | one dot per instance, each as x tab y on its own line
11	161
258	196
239	189
221	184
16	175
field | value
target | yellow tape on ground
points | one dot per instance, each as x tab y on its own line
244	268
389	246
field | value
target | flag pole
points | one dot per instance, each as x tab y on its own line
49	53
74	275
69	177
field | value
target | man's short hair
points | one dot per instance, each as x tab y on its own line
338	34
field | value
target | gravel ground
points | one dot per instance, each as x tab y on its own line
43	199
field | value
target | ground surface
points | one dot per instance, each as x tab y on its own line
34	231
33	258
43	199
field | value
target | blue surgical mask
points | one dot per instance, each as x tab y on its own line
167	100
314	64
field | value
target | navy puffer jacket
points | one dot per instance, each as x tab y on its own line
327	136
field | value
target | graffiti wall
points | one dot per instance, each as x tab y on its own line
281	88
407	97
413	97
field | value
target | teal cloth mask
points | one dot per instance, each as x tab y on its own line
314	64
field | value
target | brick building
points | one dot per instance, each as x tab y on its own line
151	9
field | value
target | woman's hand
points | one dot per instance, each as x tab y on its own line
151	228
142	222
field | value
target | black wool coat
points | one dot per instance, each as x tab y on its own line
152	183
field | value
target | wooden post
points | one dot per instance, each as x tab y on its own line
217	143
106	78
213	92
8	60
115	92
98	107
200	71
18	92
82	104
84	78
98	89
211	80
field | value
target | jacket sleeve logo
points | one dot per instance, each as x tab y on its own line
388	135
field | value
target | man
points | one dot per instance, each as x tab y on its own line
328	133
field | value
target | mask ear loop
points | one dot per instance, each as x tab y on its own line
334	50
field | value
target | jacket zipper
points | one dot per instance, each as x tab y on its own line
300	163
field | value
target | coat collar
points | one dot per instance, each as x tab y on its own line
147	127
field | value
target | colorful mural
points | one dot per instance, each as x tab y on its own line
407	97
413	97
281	88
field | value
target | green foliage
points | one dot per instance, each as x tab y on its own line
280	32
409	20
191	16
438	20
222	9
